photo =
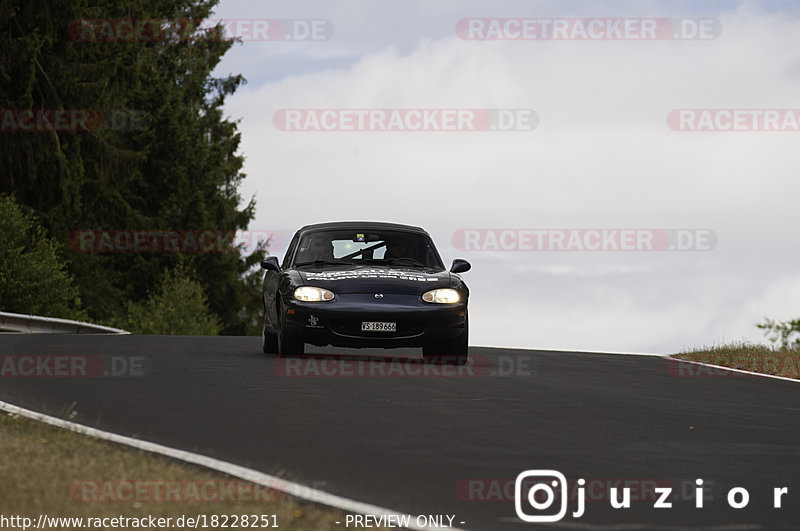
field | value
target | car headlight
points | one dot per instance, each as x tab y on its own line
441	296
312	294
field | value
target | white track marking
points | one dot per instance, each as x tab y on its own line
784	378
294	489
573	351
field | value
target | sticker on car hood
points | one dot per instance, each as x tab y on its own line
370	273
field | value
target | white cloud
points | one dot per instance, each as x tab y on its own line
602	157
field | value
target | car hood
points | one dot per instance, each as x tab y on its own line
376	279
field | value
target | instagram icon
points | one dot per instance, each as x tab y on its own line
535	499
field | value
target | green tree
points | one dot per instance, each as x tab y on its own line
176	168
785	333
33	277
177	306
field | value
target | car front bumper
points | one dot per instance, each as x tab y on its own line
338	322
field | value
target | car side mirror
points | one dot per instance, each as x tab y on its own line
270	263
460	266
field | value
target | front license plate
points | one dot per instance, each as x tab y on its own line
378	326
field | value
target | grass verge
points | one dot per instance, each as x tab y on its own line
750	357
45	470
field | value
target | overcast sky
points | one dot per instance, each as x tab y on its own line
601	157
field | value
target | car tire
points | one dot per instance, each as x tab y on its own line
454	352
269	341
288	344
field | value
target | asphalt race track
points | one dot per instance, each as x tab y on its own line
451	443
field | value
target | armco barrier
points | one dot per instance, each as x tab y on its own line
34	324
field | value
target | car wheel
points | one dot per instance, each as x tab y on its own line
269	341
454	352
288	344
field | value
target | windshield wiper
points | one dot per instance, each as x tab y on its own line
319	262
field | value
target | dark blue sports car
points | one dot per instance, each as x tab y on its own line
365	284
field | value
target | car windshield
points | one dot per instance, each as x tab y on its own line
367	246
